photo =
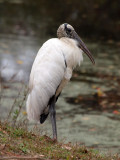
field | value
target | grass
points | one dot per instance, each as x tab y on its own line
16	142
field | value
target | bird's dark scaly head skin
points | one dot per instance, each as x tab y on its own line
66	30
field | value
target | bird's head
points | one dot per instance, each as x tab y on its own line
66	30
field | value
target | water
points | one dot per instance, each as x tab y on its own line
88	110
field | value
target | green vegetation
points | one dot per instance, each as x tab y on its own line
17	142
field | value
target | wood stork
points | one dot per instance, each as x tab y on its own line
51	70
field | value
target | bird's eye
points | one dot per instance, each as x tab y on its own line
68	29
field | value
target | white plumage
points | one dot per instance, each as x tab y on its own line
48	71
51	70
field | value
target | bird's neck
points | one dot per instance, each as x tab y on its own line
72	53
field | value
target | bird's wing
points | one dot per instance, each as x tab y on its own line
65	80
47	72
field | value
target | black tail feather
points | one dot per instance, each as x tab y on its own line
43	117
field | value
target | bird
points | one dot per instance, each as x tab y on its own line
51	71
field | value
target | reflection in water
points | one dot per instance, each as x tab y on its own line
16	56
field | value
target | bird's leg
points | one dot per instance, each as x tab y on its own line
53	117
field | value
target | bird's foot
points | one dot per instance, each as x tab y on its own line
54	139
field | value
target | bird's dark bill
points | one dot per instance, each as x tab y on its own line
83	47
